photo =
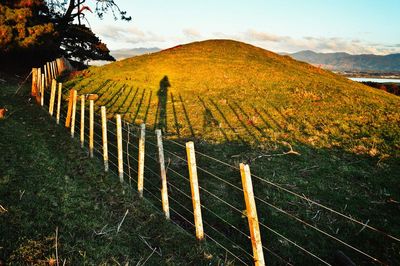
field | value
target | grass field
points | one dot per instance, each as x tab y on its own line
47	183
242	103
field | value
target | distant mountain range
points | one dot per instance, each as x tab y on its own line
126	53
331	61
348	62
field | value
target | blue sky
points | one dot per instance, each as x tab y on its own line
354	26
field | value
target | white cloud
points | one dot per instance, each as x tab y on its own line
118	37
281	43
254	35
127	36
191	33
328	45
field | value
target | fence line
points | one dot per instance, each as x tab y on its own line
37	87
269	204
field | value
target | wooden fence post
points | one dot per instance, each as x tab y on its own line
73	113
59	102
120	152
39	85
49	77
53	66
252	218
91	127
52	96
46	74
69	110
51	70
82	128
34	89
194	186
141	159
42	87
104	133
56	68
164	187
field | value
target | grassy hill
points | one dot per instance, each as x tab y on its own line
230	91
243	103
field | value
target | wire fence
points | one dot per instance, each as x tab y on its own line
225	216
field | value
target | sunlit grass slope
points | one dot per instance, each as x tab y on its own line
222	90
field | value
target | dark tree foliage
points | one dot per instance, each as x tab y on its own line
89	48
23	25
39	30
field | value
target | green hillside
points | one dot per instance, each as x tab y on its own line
240	103
224	90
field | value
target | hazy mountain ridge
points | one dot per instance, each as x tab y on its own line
120	54
347	62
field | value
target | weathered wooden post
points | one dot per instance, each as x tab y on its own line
252	218
194	186
49	77
59	102
120	151
104	133
58	63
52	96
82	121
42	87
46	75
34	89
39	85
141	159
73	113
69	110
91	128
163	174
56	68
53	66
51	70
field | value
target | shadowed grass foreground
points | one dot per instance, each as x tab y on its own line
48	182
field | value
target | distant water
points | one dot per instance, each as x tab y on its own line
376	80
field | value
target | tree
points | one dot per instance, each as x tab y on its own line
44	29
22	26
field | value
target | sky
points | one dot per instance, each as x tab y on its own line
352	26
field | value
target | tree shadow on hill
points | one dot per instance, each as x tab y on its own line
162	103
